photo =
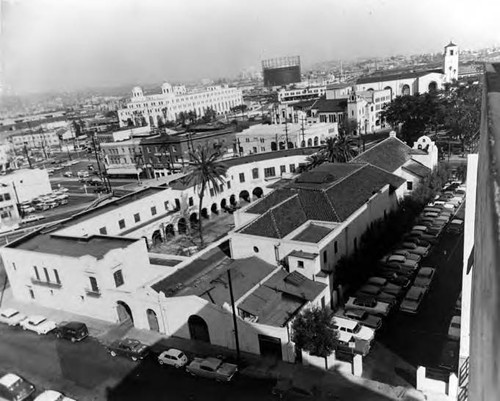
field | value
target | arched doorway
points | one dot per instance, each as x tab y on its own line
282	145
151	121
315	141
405	90
204	213
152	320
389	88
433	86
156	238
198	329
290	145
182	226
223	204
303	144
193	220
124	312
169	231
258	192
245	195
214	209
232	200
309	142
274	146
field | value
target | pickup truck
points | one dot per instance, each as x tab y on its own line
212	368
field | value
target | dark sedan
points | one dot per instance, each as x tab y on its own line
129	348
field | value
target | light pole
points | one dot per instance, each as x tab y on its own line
235	321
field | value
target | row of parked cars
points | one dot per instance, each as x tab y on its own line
45	202
400	281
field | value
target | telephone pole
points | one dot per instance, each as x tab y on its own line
236	339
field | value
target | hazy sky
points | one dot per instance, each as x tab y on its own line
57	44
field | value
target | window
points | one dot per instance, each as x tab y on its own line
212	192
93	284
255	173
242	177
292	168
56	275
166	205
14	266
269	172
300	264
137	217
324	257
451	52
118	276
103	231
121	224
262	148
255	249
177	204
153	210
37	275
336	246
46	272
247	139
191	202
282	169
7	196
409	185
229	185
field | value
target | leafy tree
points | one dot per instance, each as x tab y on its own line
209	116
206	169
313	331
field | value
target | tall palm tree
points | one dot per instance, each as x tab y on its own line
205	168
340	149
313	161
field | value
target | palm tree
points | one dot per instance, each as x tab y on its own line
313	161
340	149
205	169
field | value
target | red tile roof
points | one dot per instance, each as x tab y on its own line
390	154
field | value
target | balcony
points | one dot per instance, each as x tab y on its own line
48	284
92	293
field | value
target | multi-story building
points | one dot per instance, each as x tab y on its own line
292	95
156	109
9	211
364	110
266	138
27	184
322	110
123	158
39	139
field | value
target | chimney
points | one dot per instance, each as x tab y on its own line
392	134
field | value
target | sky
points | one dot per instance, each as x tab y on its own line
75	44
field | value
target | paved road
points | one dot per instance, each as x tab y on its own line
87	372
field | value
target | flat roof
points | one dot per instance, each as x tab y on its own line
94	245
313	233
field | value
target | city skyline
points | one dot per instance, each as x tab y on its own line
71	45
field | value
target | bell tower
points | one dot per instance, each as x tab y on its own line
450	67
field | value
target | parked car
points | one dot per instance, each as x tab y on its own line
173	357
368	304
408	254
68	174
212	368
15	388
449	356
416	249
394	278
458	304
386	285
130	348
417	237
38	324
377	293
454	329
353	327
365	318
73	331
455	227
395	268
32	218
400	260
11	316
83	174
424	277
412	300
51	395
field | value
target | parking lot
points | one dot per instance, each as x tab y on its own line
407	341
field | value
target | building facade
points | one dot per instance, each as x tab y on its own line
299	94
156	109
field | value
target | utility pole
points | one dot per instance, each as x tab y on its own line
302	129
286	132
107	183
27	154
237	341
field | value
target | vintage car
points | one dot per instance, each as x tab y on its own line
212	368
129	348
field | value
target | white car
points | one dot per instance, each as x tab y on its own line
173	357
51	395
408	254
32	218
353	327
368	304
454	329
38	324
11	316
424	277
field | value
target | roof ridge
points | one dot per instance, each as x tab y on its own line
273	219
331	204
377	144
382	169
361	165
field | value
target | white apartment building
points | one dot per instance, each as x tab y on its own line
266	138
27	183
35	140
286	96
172	100
364	109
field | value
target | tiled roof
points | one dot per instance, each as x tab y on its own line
390	154
416	168
272	199
332	201
295	284
390	76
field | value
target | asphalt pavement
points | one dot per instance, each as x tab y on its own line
87	372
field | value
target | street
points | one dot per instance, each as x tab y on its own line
87	372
